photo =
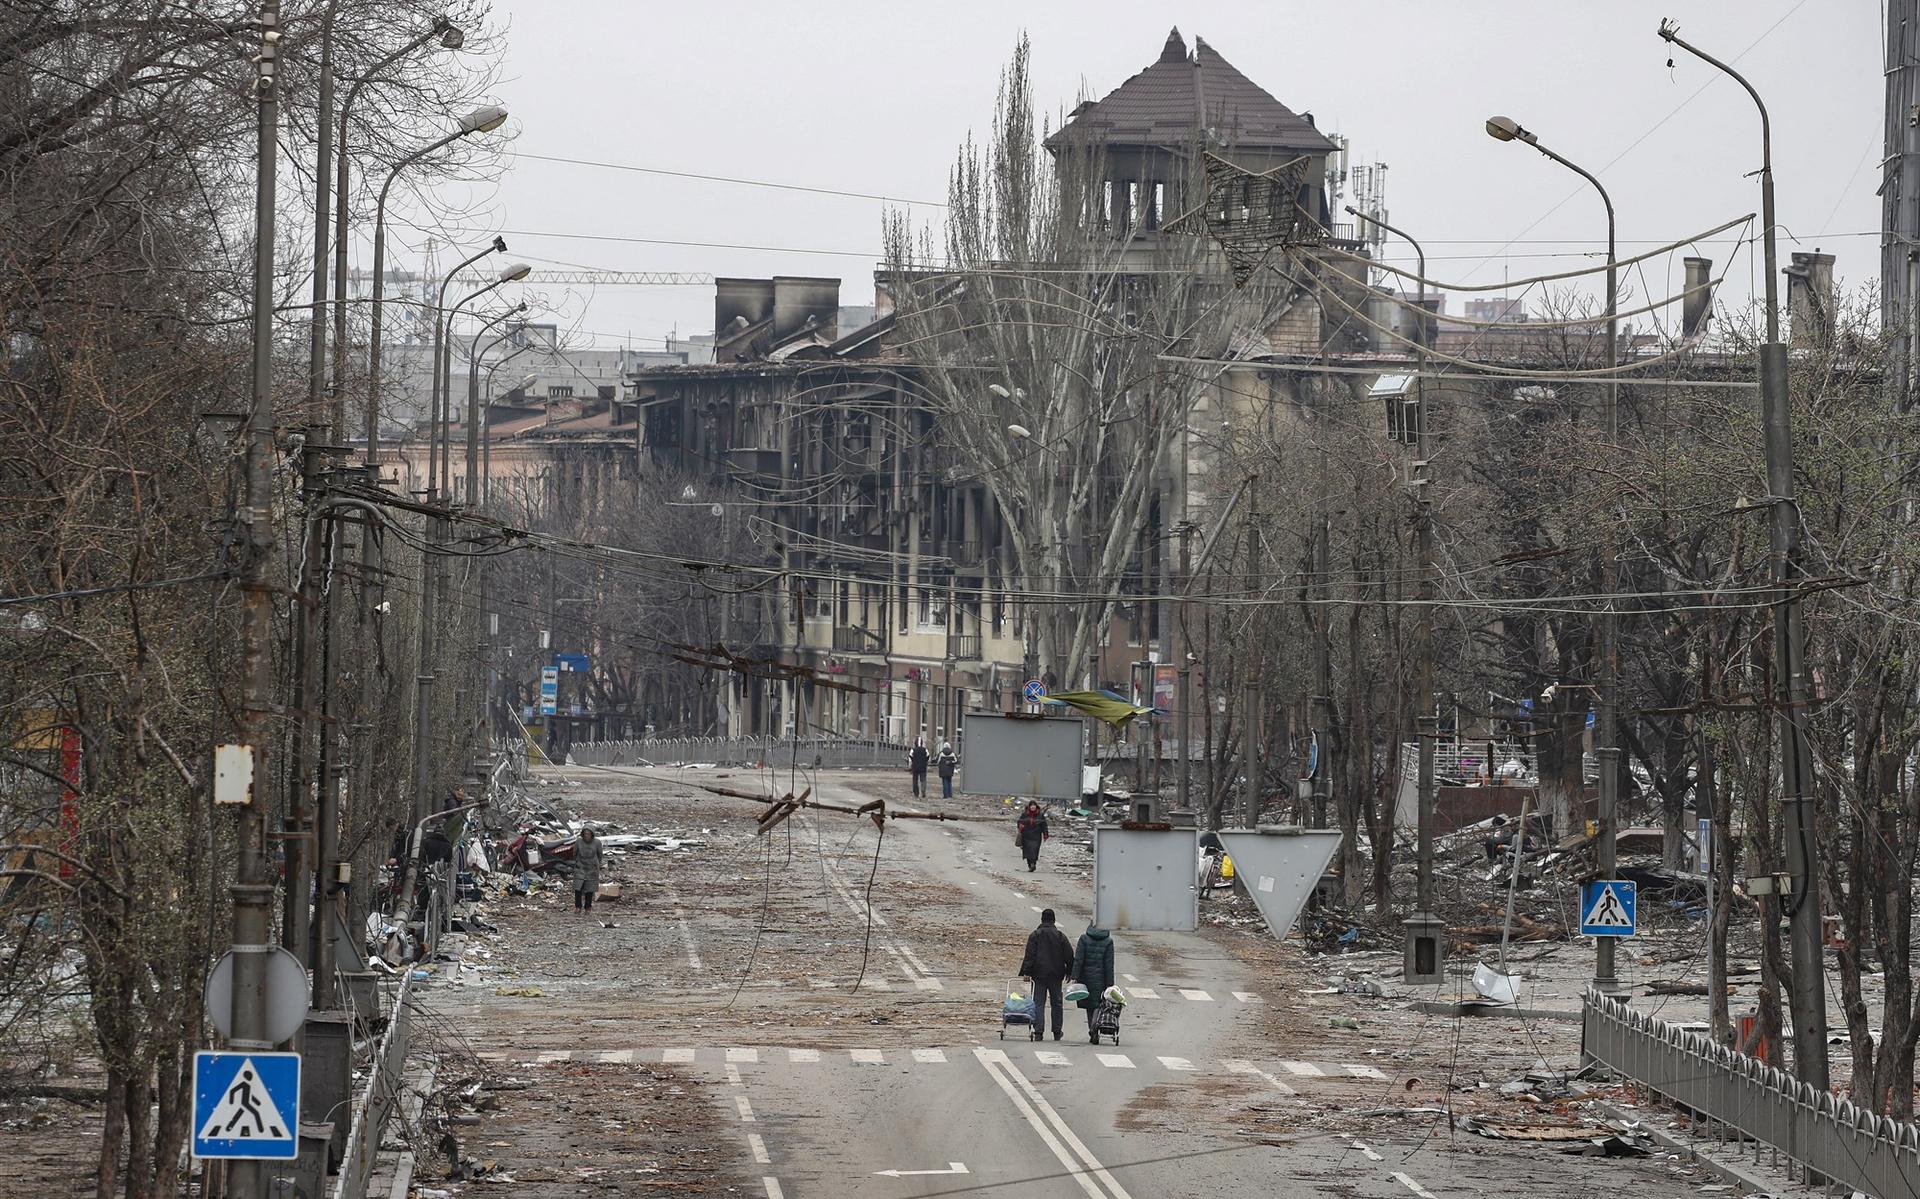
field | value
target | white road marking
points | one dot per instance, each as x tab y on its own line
617	1056
682	1056
1036	907
759	1148
1247	997
748	1054
555	1055
1144	993
1360	1071
745	1109
869	1057
1041	1117
1130	978
929	1055
1413	1186
1236	1065
1196	996
773	1188
879	984
928	984
1176	1063
1305	1069
733	1076
686	930
1051	1057
1115	1061
797	1056
952	1168
1367	1152
824	982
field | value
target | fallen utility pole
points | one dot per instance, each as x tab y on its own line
253	888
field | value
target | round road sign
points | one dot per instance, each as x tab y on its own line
286	995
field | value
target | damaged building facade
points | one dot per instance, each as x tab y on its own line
895	582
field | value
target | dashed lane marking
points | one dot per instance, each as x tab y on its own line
1411	1185
748	1054
1247	997
617	1056
1176	1063
733	1076
1366	1151
745	1109
1196	996
1115	1061
773	1188
1049	1057
869	1057
1145	993
759	1147
1236	1065
1360	1071
1303	1069
929	1055
1130	978
555	1055
799	1056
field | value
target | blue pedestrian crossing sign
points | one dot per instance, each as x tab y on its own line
246	1105
1607	908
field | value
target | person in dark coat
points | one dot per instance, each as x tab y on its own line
945	763
1049	957
1093	968
917	758
586	870
1030	832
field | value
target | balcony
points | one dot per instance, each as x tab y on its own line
964	646
847	640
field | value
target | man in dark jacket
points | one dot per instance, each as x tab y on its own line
945	762
917	758
1029	833
1049	956
1093	968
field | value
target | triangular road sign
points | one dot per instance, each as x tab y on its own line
1280	867
246	1112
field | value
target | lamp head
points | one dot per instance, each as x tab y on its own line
1019	431
484	120
451	37
499	244
1506	129
518	270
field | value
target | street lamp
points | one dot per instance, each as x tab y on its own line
439	408
473	401
1606	641
451	38
480	120
1789	632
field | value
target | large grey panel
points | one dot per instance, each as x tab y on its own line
1146	878
1035	757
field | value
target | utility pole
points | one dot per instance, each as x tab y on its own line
1420	962
1900	200
1184	699
1791	691
253	888
1250	680
1322	715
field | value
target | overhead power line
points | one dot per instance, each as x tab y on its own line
791	187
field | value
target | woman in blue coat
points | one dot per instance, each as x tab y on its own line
1093	968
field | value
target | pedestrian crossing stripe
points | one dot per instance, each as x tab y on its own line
1607	908
246	1105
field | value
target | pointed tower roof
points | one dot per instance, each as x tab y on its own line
1182	92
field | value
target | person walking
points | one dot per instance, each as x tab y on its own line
1093	969
586	870
917	765
945	764
1049	957
1030	832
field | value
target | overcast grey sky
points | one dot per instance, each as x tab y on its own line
875	97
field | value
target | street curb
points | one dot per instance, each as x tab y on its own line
1445	1008
1726	1171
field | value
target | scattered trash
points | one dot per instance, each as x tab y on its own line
521	992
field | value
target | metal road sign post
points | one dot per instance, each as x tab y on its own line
246	1105
549	690
1608	908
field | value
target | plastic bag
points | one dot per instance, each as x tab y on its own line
1114	996
1075	992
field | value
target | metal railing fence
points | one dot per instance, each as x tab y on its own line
1827	1136
831	753
385	1076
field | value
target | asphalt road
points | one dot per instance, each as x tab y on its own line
903	1088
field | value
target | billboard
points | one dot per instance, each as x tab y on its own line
1033	757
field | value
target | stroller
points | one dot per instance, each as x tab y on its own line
1017	1009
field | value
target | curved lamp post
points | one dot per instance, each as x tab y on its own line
480	120
1606	642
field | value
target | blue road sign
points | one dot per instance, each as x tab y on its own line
1607	908
246	1105
1035	691
573	662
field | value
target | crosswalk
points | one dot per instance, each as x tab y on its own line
735	1056
927	982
